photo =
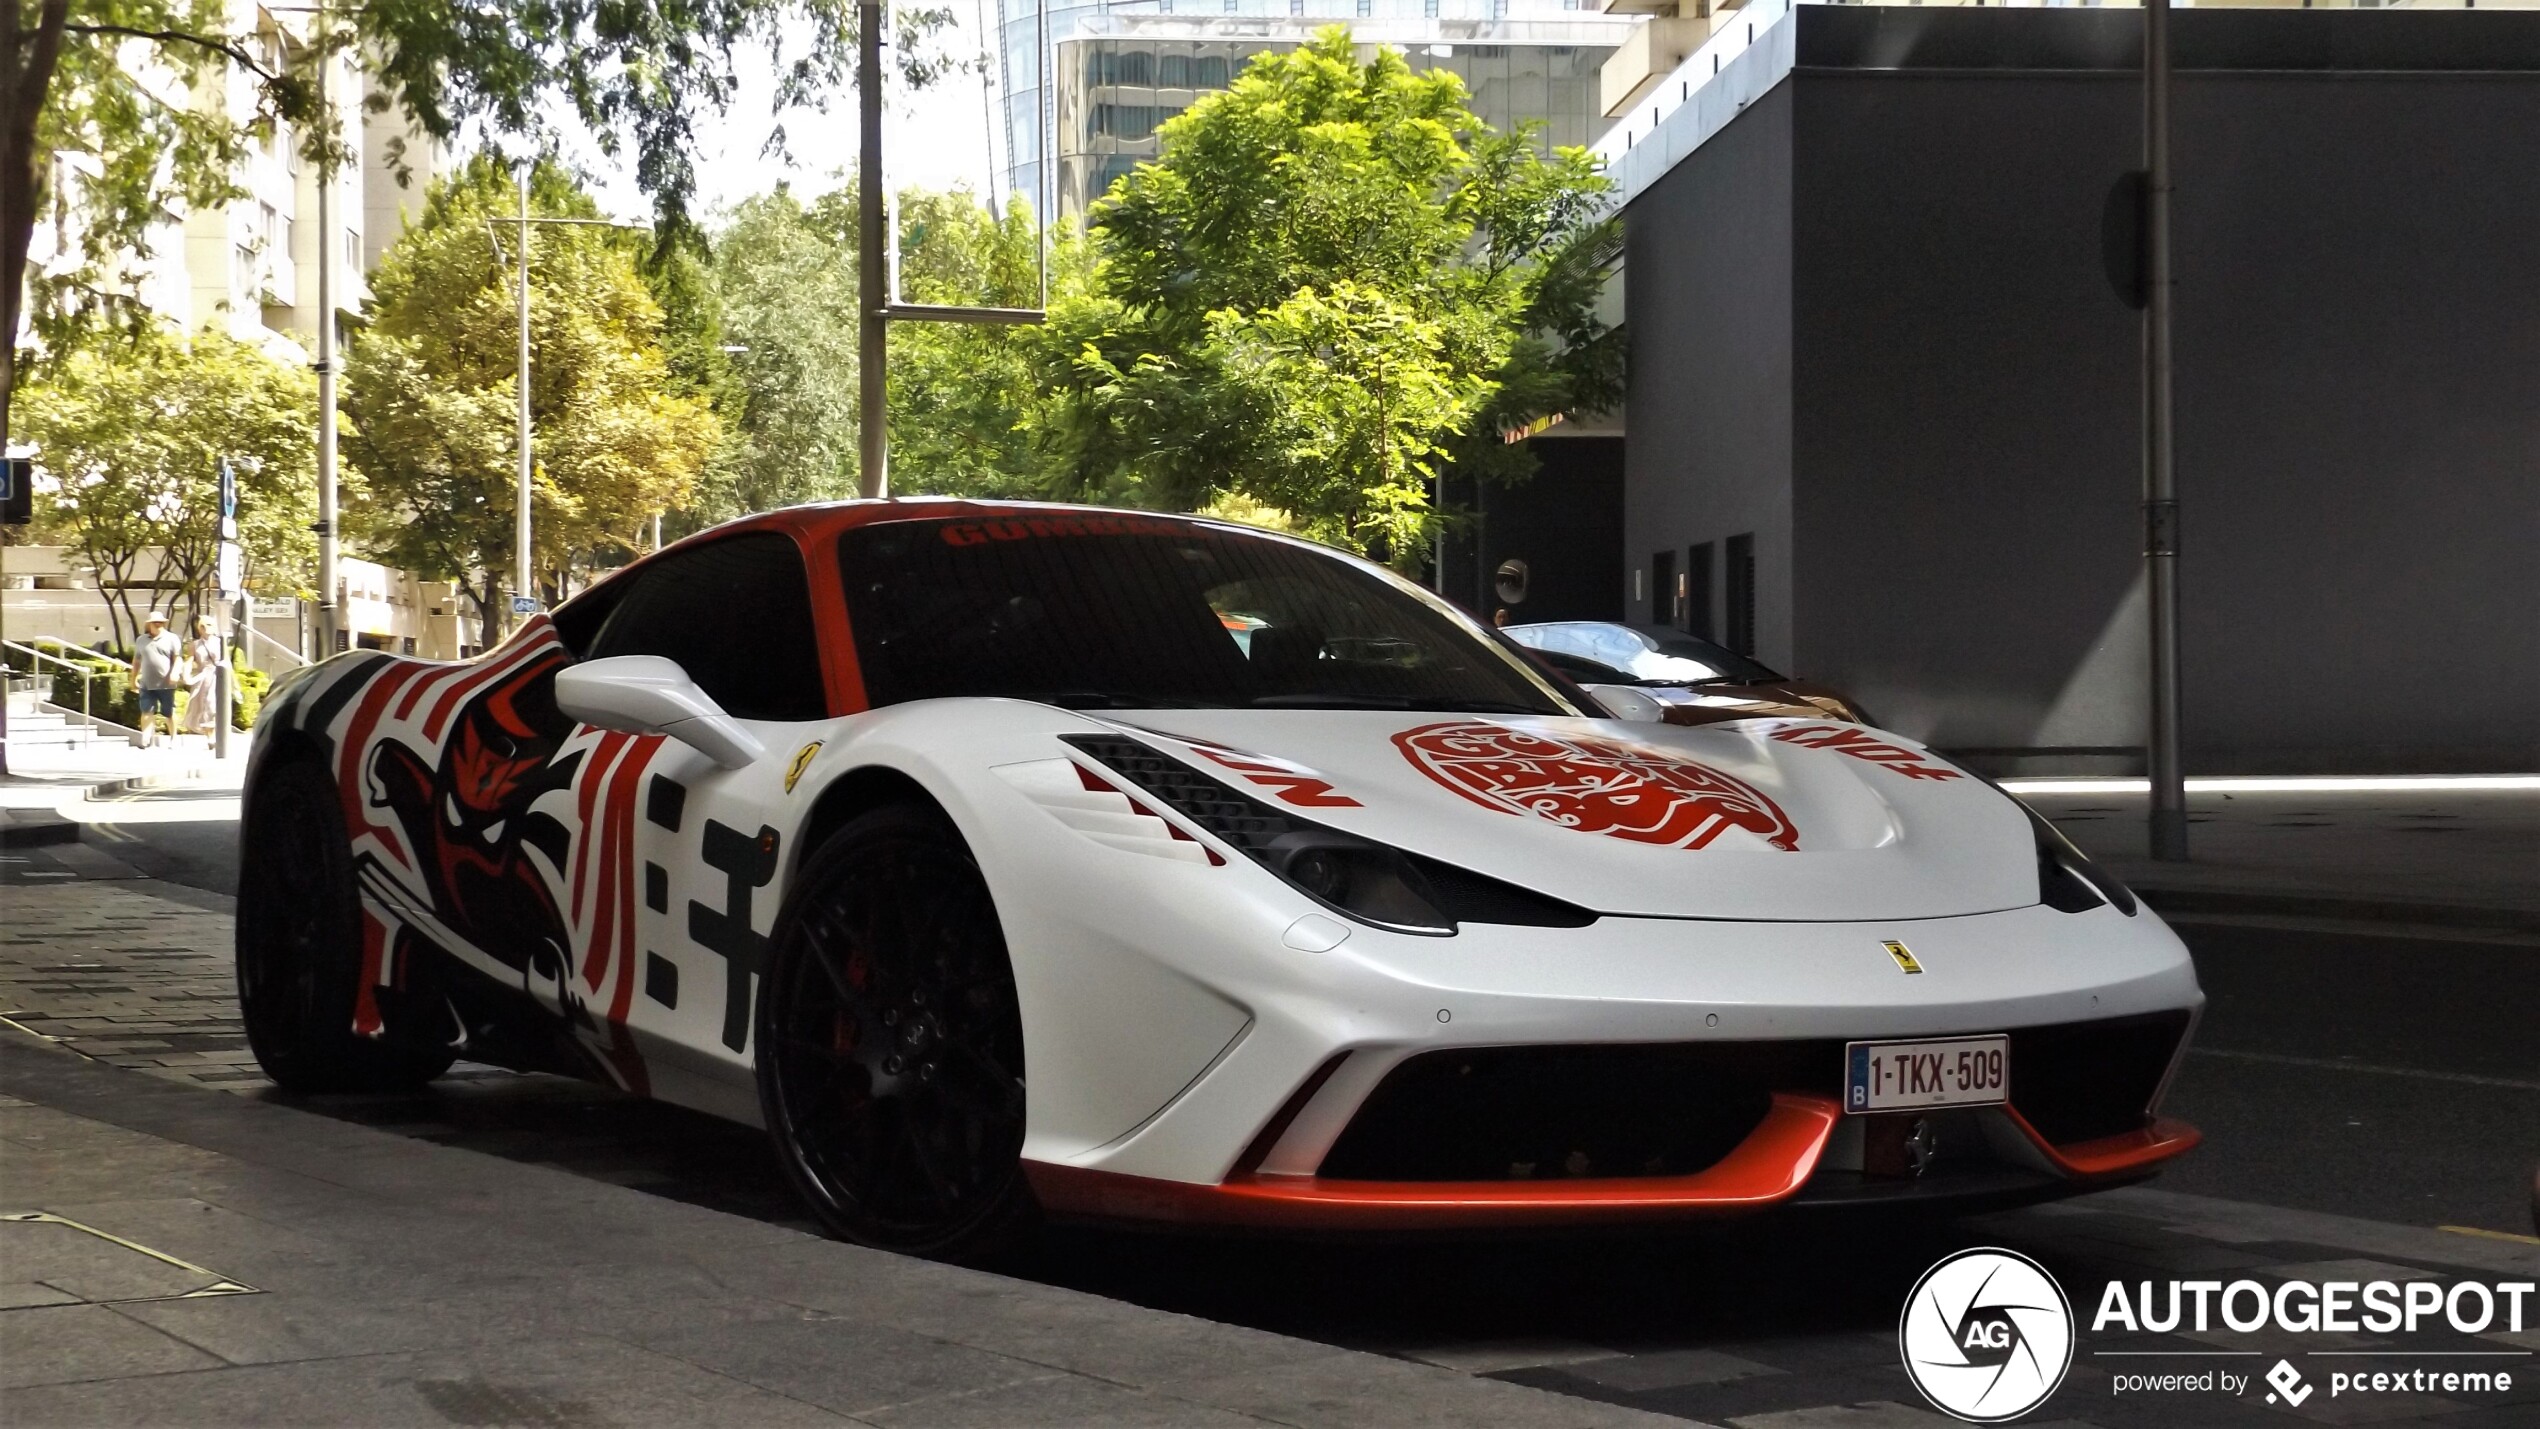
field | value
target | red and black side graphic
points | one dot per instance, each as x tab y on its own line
491	826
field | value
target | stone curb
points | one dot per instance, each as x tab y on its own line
32	828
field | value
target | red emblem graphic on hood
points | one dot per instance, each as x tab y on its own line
1594	785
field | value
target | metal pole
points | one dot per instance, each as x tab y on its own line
520	495
873	340
2160	474
1044	113
330	550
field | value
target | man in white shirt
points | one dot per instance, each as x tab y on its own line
155	663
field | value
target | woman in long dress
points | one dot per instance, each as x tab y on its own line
203	656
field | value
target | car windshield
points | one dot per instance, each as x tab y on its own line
1633	655
1126	612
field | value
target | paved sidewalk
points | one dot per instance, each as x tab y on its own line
205	1260
2432	855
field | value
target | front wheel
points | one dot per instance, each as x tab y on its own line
890	1043
299	945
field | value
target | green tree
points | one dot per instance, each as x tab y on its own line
131	88
786	280
962	393
431	392
130	437
785	274
1333	281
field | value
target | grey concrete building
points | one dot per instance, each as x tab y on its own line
1884	393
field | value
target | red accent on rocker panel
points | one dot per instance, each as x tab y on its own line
1771	1165
2124	1154
1594	785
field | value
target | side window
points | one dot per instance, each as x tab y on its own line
736	615
578	620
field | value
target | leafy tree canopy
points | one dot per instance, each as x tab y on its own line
130	438
430	388
1333	281
785	275
136	91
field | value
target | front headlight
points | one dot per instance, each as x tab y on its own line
1371	882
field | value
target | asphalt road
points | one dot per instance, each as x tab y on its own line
2394	1078
2391	1077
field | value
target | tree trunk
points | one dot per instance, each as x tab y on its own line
26	76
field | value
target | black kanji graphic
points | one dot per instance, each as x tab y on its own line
747	863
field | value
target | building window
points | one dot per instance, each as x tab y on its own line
1366	7
1741	583
1125	121
1132	67
353	250
1662	586
246	261
1698	591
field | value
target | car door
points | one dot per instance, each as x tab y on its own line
677	902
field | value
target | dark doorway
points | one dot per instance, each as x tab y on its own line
1662	588
1698	580
1741	593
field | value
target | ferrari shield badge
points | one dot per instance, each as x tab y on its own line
800	762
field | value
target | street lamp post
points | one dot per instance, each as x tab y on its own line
330	616
878	303
521	585
520	495
2160	475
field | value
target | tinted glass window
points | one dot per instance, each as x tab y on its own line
1128	612
736	615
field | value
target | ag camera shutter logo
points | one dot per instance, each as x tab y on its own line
1987	1335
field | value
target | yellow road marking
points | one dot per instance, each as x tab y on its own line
2491	1235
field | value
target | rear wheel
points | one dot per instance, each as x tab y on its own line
890	1043
299	945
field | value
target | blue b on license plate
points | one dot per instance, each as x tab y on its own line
1950	1071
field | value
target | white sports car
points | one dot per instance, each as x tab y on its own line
1003	859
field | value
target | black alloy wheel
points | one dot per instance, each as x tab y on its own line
299	946
890	1043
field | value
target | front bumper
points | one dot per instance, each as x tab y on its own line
1293	1125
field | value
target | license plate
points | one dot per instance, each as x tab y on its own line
1955	1071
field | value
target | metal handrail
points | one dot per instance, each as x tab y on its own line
87	679
297	659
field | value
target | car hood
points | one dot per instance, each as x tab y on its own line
1756	819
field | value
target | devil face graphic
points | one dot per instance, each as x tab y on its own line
471	821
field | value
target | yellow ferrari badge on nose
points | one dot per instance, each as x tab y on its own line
802	761
1904	959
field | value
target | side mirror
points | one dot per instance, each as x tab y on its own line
646	694
1628	703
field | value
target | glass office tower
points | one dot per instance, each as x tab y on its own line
1116	69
